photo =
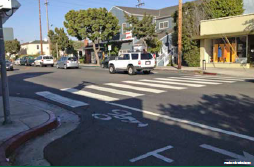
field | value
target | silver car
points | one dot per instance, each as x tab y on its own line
67	62
9	65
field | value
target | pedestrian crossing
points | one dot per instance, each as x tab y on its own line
110	92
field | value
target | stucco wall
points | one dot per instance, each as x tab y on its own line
228	25
32	49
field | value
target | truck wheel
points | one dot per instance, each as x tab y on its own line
131	70
146	72
112	69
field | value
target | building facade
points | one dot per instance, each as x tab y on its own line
34	48
228	42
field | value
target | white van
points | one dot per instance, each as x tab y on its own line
44	60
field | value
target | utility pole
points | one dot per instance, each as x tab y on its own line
46	3
40	26
180	24
5	86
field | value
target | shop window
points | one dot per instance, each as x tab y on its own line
241	47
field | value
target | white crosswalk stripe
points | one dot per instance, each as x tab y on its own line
223	77
155	85
90	95
174	83
206	80
142	89
114	91
217	78
188	81
61	99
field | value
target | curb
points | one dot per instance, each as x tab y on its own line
209	73
9	146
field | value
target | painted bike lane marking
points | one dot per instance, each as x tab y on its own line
185	122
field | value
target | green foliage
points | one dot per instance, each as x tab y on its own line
60	38
115	46
78	44
95	24
12	47
154	45
193	13
143	29
224	8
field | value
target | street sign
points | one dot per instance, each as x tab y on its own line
8	10
109	47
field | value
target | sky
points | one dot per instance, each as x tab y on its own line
25	21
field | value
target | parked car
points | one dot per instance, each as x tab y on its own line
132	62
27	60
67	62
17	61
9	66
104	63
44	61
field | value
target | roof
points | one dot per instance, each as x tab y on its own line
168	11
163	33
35	42
139	11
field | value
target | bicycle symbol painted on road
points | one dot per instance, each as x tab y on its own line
122	115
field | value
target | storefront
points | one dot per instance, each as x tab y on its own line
228	42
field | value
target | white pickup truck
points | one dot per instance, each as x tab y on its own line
132	62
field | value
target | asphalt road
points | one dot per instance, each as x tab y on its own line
165	118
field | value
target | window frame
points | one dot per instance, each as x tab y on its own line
163	25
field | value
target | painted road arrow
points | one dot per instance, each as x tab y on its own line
246	156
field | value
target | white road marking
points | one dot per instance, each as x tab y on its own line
206	80
173	83
247	157
216	78
189	81
155	85
90	95
186	122
135	88
155	154
114	91
61	99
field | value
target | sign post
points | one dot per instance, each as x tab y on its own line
5	87
109	49
6	6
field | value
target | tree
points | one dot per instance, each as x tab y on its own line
115	47
154	45
60	38
143	29
12	47
224	8
95	24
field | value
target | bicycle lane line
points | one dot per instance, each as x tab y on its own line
185	122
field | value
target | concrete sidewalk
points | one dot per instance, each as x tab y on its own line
30	119
24	117
237	72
